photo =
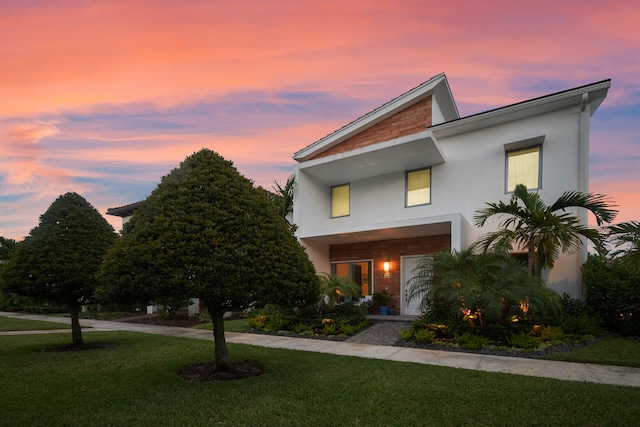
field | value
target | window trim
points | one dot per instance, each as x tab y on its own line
406	186
348	185
370	272
522	145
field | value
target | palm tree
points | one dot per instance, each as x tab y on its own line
283	199
543	230
489	287
336	288
628	234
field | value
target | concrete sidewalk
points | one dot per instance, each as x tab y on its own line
615	375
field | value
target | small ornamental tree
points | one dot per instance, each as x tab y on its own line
206	232
58	261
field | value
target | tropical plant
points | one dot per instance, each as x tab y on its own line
471	341
525	341
58	261
627	236
336	288
205	232
484	288
382	298
283	199
542	230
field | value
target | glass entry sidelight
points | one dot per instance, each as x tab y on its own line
357	271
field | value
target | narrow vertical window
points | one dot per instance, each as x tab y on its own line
419	187
340	201
523	167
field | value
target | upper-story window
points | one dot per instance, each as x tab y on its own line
523	167
340	203
418	187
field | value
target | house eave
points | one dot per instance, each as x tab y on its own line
428	226
401	154
595	94
124	211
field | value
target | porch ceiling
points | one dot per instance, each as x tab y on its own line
436	229
405	153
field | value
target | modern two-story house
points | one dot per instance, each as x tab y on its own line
405	180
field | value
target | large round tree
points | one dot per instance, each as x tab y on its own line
206	232
58	261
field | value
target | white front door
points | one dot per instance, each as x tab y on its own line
411	308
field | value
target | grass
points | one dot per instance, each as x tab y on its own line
610	351
237	325
12	324
134	382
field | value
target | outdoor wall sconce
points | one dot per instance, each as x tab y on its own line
386	268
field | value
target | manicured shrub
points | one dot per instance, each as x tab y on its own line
613	294
406	334
581	325
330	329
551	333
471	341
525	341
572	307
424	336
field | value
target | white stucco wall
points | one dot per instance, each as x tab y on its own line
473	173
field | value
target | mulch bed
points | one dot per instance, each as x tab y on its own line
77	347
207	372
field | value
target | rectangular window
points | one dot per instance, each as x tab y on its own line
523	167
419	187
358	272
340	201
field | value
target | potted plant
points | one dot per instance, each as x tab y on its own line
383	300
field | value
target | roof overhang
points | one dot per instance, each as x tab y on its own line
405	153
124	211
594	94
387	233
437	86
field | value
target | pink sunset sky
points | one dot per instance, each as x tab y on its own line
104	97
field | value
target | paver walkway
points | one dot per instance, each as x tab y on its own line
380	333
615	375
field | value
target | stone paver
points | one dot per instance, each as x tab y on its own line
380	333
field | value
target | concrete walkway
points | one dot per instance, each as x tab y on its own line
615	375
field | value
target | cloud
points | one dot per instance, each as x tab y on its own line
104	97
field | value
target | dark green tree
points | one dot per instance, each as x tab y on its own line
627	237
6	247
542	230
58	261
206	232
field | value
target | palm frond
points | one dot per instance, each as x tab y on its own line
598	204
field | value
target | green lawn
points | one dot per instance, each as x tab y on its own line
12	324
610	351
134	382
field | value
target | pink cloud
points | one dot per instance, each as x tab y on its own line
78	62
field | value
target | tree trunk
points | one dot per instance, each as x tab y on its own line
76	331
531	260
221	352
